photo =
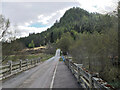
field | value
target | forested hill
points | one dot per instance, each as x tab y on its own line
75	20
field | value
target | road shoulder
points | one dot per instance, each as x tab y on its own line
64	78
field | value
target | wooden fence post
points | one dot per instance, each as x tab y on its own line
79	66
39	59
69	64
20	64
27	63
78	74
34	62
90	80
31	62
10	67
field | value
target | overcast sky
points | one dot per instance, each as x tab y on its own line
36	16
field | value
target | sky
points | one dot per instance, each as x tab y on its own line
35	16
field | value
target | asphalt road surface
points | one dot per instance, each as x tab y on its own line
38	77
64	78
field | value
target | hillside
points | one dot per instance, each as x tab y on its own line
90	39
75	20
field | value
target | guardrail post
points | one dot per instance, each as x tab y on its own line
72	69
31	61
34	61
10	67
78	74
27	63
39	59
69	64
79	71
90	80
20	64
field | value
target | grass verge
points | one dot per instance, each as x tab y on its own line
16	58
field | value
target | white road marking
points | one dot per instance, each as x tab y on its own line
53	78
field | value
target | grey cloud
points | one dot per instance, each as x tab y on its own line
22	12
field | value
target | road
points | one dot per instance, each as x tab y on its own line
64	78
38	77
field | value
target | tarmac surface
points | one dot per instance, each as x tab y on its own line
64	77
49	74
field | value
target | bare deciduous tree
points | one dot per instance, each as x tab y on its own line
4	25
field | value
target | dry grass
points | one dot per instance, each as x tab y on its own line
30	56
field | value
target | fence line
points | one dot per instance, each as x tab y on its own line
86	79
14	68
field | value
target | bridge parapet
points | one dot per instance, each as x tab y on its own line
84	77
13	68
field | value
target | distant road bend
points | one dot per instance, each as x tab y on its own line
45	75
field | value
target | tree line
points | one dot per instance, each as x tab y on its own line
75	20
90	38
95	45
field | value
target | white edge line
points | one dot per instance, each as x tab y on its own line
52	82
